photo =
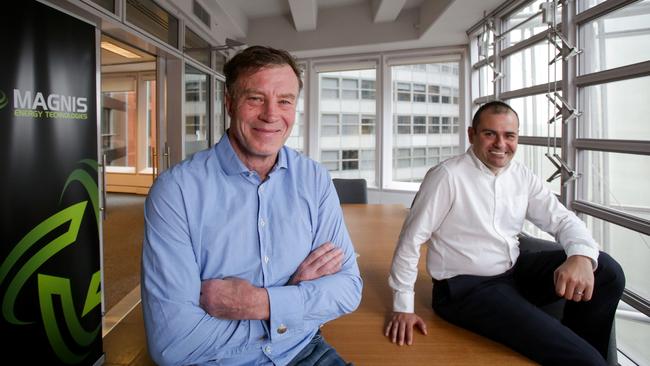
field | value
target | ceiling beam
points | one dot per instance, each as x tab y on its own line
386	10
304	13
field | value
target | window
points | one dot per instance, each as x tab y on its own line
347	110
350	89
350	124
419	125
197	119
197	48
367	125
150	17
368	89
404	125
329	88
403	92
329	124
297	138
423	115
350	160
419	93
434	94
604	111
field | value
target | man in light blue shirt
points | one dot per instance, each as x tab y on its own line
246	253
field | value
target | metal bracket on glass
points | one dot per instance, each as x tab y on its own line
563	105
566	50
483	39
561	166
548	9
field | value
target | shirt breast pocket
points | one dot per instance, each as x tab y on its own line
515	209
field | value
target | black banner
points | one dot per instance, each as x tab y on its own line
50	297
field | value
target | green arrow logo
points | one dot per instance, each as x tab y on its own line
53	289
3	99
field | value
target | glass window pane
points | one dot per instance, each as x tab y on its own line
329	119
631	339
417	121
106	4
534	112
329	94
197	48
350	83
118	125
617	110
368	84
331	166
332	83
528	29
368	94
616	39
219	112
350	119
350	154
149	16
297	138
350	94
350	165
485	84
534	158
326	155
630	249
529	67
586	4
355	111
608	181
197	123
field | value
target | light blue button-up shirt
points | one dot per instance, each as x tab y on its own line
211	217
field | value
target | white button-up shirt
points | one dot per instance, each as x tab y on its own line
469	219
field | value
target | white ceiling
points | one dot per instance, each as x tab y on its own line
333	27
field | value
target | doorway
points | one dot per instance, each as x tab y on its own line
129	148
128	117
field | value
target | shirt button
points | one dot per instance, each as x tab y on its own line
262	223
282	329
266	259
267	349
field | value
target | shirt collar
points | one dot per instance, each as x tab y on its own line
231	163
482	167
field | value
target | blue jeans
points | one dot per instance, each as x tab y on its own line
318	353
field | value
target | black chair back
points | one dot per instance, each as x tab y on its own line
351	190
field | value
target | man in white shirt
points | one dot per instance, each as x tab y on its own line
469	211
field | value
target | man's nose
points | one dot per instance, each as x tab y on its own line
498	141
270	112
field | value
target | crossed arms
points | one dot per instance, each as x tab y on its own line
237	299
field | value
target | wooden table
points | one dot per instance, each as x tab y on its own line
359	337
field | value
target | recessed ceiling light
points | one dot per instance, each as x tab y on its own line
119	50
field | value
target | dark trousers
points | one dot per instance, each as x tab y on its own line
318	353
505	308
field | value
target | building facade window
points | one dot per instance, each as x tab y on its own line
347	115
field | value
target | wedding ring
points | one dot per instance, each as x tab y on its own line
579	293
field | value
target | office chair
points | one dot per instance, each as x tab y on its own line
528	243
351	190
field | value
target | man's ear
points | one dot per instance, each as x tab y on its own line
470	134
228	103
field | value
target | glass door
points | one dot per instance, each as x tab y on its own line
128	118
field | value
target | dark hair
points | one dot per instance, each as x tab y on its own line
253	59
496	107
